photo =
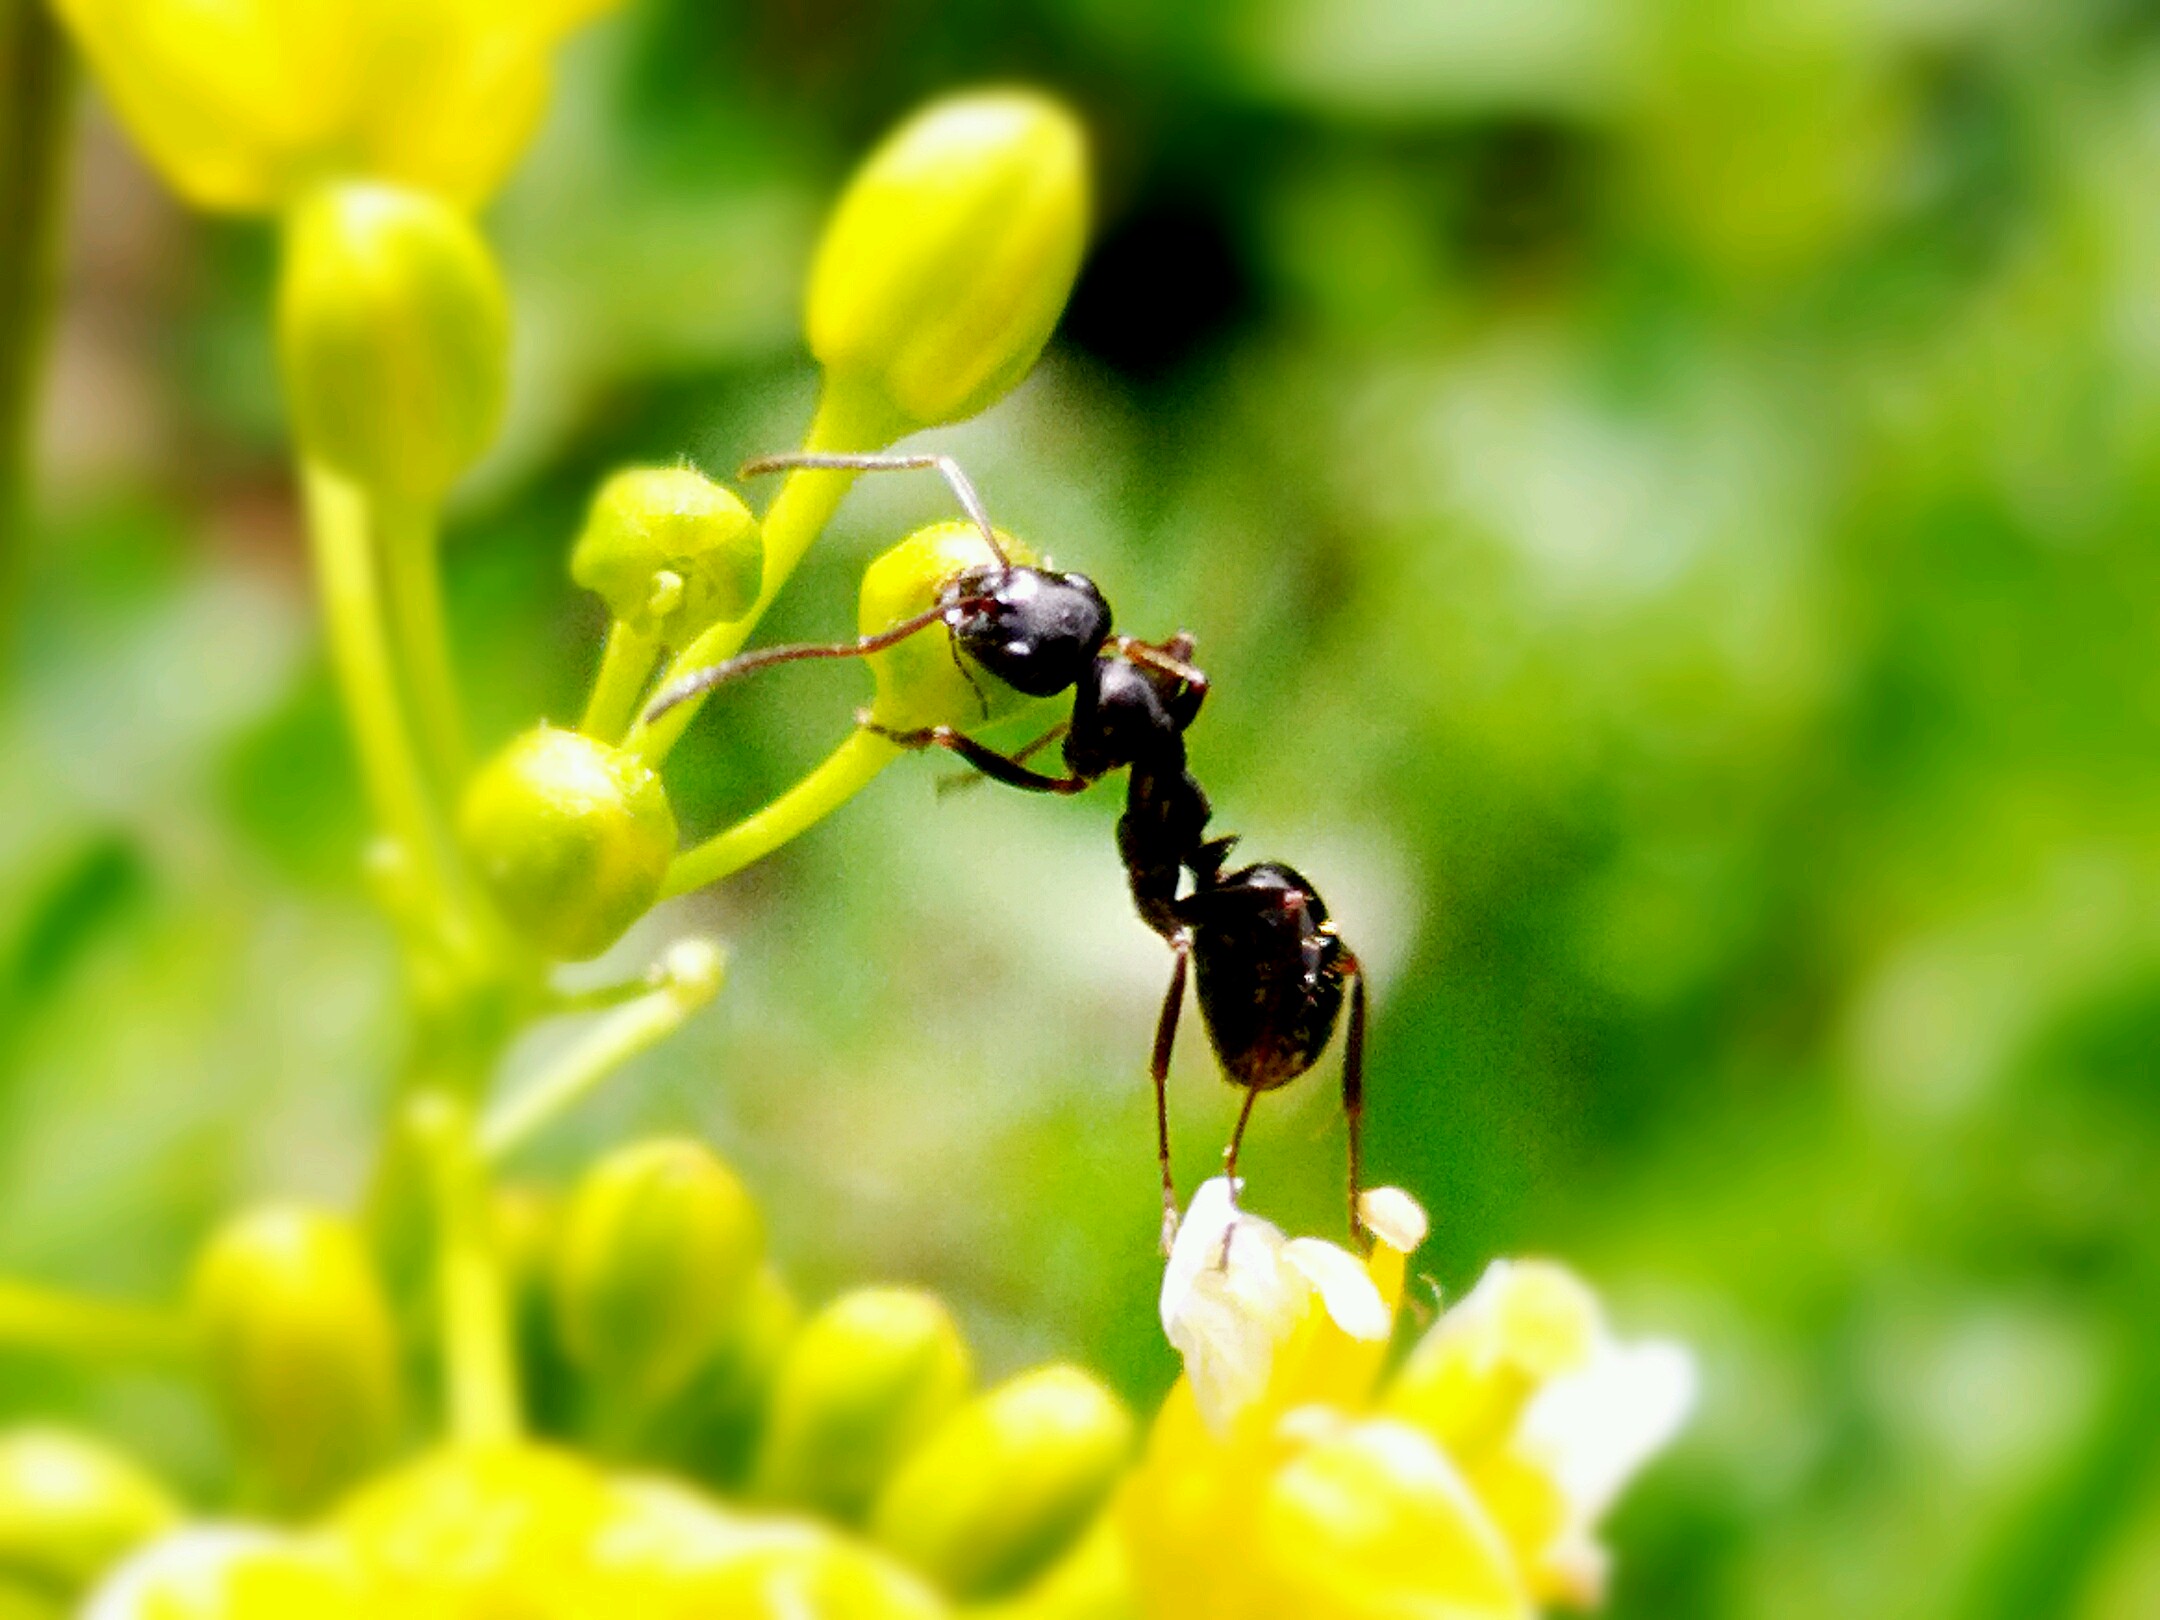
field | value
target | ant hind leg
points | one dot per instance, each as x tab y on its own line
1159	1071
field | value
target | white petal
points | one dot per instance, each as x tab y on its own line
1394	1217
1597	1427
1344	1287
183	1571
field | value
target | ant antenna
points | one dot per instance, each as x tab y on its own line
963	491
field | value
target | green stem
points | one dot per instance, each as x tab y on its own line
611	1043
41	1319
361	653
846	771
412	577
625	673
480	1382
799	513
35	98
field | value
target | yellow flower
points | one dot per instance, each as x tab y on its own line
243	103
1283	1479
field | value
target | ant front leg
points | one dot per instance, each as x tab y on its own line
704	680
1159	1071
1174	659
998	767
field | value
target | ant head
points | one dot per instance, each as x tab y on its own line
1034	630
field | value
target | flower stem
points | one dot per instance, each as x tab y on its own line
360	651
34	1318
35	97
625	671
480	1383
846	771
412	578
612	1042
799	513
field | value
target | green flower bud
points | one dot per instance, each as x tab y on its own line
671	553
300	1348
869	1378
951	254
395	336
1007	1482
919	682
712	1429
70	1507
654	1264
571	838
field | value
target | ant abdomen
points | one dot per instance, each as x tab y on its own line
1269	973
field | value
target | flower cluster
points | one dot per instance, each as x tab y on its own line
1286	1477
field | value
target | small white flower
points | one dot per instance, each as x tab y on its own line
1235	1290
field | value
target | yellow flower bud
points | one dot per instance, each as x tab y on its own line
394	332
300	1348
670	1555
868	1379
570	837
69	1507
655	1262
919	682
671	552
481	1530
950	256
711	1430
1007	1482
243	102
228	1573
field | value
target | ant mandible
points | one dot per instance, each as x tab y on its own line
1268	968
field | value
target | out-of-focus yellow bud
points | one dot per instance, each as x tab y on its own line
671	552
394	332
570	837
70	1507
670	1555
1376	1520
1007	1482
228	1573
919	682
481	1530
868	1379
299	1344
655	1261
950	255
244	102
712	1430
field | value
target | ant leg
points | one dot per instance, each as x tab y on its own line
1229	1170
963	491
1353	1101
1172	658
1159	1070
704	680
961	780
998	767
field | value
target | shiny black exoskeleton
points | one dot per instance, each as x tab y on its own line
1269	971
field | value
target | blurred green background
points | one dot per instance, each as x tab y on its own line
1667	491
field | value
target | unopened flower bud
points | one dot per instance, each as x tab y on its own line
920	682
654	1263
300	1348
395	336
1006	1482
671	552
867	1381
571	838
950	255
712	1430
69	1508
225	1572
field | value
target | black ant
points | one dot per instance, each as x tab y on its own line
1268	966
